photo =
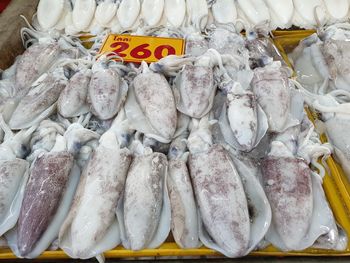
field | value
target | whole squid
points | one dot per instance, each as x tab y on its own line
40	102
128	12
184	223
243	123
150	105
175	12
83	13
14	172
89	232
219	193
41	56
105	12
287	183
145	212
224	11
72	101
152	11
35	61
49	14
272	89
194	87
107	89
48	194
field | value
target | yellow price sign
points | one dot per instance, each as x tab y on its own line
142	48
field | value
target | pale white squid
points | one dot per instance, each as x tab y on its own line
150	105
144	214
175	11
89	232
83	13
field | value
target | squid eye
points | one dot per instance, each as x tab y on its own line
68	73
157	67
173	151
25	151
126	137
76	146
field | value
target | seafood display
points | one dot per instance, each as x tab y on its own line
210	148
118	16
319	61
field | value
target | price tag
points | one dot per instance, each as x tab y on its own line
142	48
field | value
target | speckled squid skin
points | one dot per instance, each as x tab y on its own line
106	93
243	118
184	222
227	42
195	90
143	198
37	101
34	62
45	188
337	56
288	186
271	87
11	174
156	100
196	45
221	199
74	96
96	199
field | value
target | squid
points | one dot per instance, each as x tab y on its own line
194	88
242	121
128	13
197	13
224	11
218	187
309	14
49	192
40	102
51	173
144	214
88	232
307	224
272	88
334	122
34	62
14	173
184	223
42	55
175	11
150	105
44	137
310	64
255	11
152	11
83	13
292	204
72	101
105	12
107	89
49	13
281	13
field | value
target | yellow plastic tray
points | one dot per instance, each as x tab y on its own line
334	186
286	44
279	32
